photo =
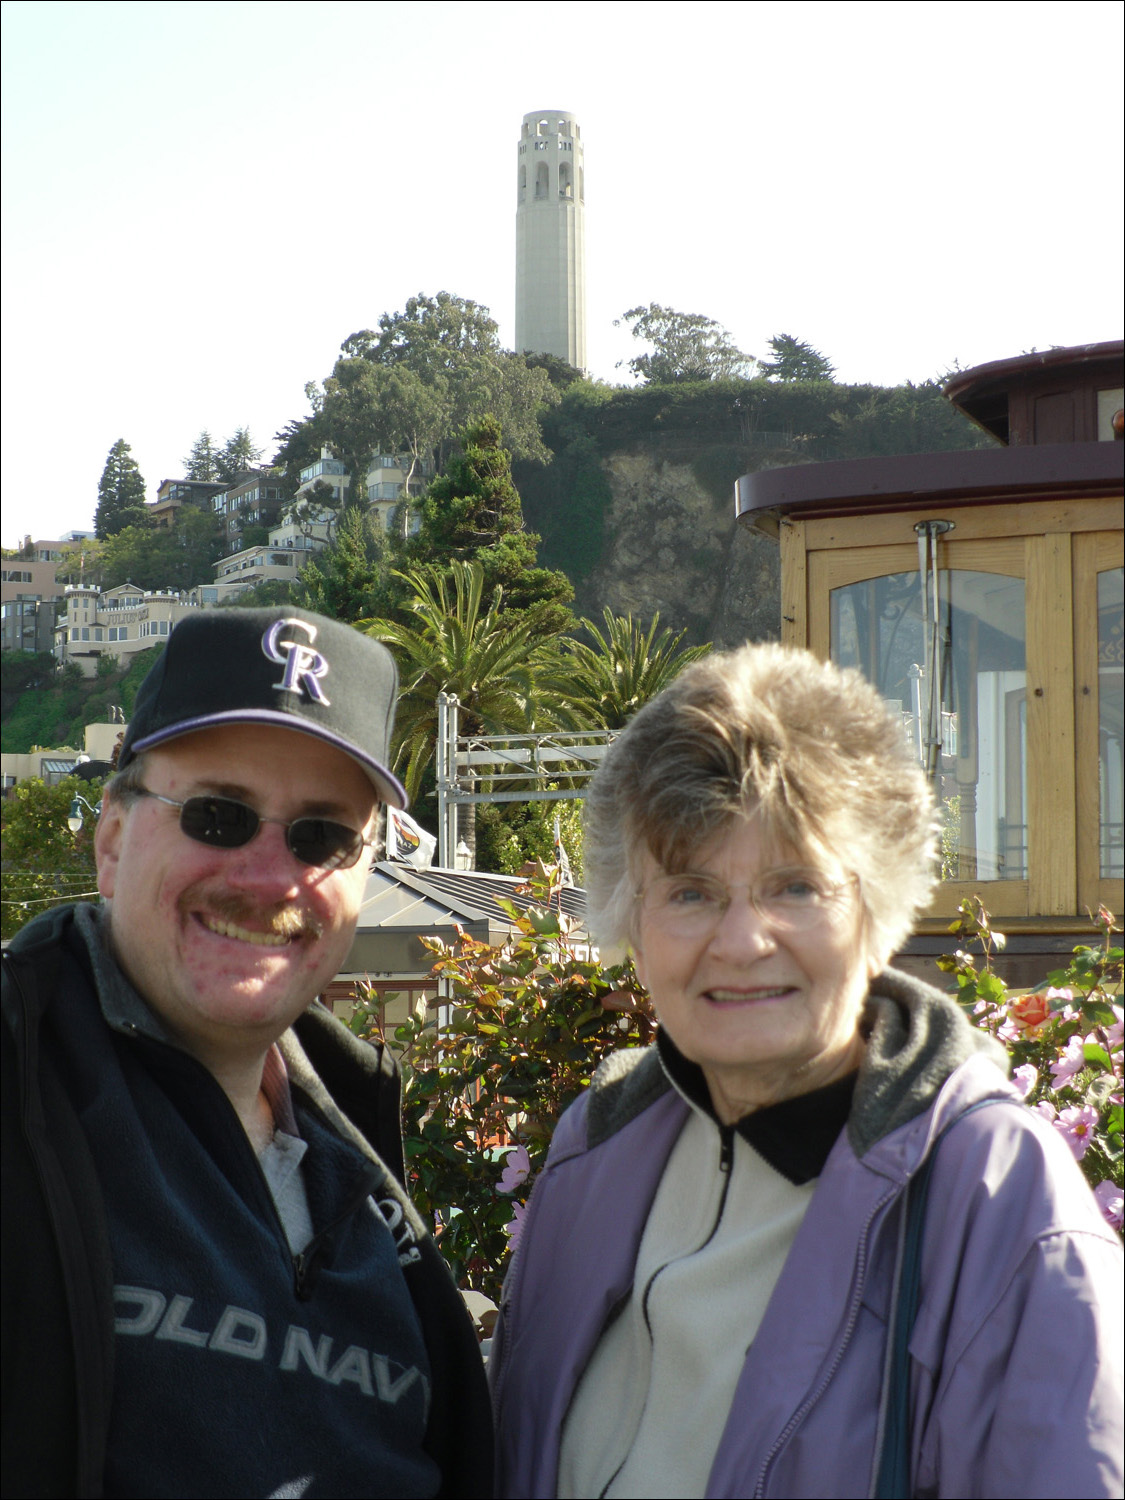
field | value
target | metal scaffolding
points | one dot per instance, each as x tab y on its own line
516	767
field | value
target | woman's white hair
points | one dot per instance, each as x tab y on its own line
808	747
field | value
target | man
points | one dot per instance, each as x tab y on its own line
214	1282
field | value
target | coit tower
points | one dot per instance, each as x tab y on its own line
551	238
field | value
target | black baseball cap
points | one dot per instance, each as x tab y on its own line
283	666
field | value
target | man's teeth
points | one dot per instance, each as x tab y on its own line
243	934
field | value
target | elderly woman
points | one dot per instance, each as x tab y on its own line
713	1256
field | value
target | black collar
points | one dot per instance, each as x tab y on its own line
794	1135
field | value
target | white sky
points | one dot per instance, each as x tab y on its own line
203	200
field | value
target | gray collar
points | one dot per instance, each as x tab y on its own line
122	1007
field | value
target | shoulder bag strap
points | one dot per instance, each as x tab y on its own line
893	1482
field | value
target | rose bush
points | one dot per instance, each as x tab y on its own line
515	1039
1064	1038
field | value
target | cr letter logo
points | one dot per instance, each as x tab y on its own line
304	667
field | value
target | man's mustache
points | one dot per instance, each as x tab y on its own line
281	919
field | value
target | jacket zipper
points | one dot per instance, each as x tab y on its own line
726	1162
304	1262
853	1315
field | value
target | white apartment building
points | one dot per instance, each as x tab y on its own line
121	621
279	562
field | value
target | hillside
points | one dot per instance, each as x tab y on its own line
637	505
54	711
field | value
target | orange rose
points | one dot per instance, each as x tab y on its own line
1030	1011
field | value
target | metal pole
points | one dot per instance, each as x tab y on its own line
446	754
927	533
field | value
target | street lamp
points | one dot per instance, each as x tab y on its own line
75	819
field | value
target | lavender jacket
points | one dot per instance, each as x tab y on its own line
1016	1385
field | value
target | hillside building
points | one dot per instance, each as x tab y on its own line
176	492
121	621
30	595
254	499
52	766
551	238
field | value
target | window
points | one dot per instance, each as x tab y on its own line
962	693
1013	702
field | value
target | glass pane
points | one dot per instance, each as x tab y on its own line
981	667
1110	770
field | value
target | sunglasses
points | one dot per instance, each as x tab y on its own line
226	823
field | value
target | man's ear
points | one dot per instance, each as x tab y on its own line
107	844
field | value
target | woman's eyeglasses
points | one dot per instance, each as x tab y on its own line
226	823
786	900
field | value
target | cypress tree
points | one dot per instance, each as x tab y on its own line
121	493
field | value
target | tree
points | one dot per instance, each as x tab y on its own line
80	562
121	493
154	557
44	863
316	513
905	419
299	444
560	372
625	667
202	463
794	360
432	332
686	346
369	408
452	345
237	454
512	834
497	665
472	512
349	581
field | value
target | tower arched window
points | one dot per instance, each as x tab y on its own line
542	180
523	181
566	182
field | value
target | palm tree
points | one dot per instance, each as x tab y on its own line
609	681
502	670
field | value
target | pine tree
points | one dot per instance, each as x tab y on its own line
473	514
793	359
202	463
237	454
121	493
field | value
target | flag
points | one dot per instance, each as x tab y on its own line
565	877
407	842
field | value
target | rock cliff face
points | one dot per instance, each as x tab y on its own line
671	543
